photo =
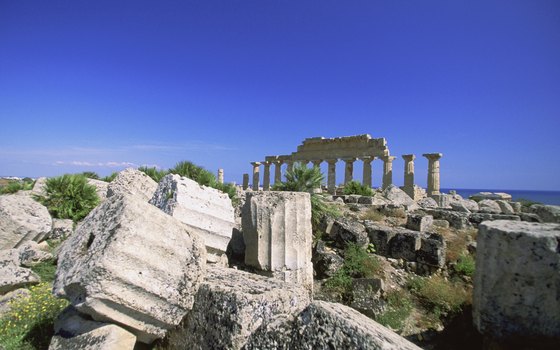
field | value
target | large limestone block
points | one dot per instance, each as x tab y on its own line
22	219
12	275
489	206
232	304
517	280
278	235
207	211
101	188
74	331
40	187
324	325
133	182
547	213
131	264
396	196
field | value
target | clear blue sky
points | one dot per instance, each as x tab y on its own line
96	85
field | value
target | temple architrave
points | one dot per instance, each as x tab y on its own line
349	149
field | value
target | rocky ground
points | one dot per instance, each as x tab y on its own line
151	267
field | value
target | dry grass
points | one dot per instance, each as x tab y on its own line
372	214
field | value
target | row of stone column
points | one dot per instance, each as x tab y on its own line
433	172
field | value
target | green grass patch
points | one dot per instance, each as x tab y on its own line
46	270
440	294
29	323
465	265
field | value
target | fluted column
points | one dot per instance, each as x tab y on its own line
331	179
245	181
278	171
256	175
266	176
409	174
433	173
348	169
221	176
387	170
366	179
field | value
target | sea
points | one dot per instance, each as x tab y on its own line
544	197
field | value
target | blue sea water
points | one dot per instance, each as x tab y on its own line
545	197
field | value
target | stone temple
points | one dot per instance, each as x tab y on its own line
348	149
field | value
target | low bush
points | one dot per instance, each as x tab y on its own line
440	295
357	264
194	172
355	187
91	175
399	308
29	323
111	177
465	265
373	215
14	186
153	172
69	197
46	270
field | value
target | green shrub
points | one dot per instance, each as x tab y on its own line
111	177
46	270
354	187
227	188
357	264
527	202
465	265
69	197
153	172
399	308
439	294
29	323
91	175
194	172
11	187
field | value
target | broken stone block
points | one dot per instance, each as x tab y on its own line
344	231
326	262
547	213
131	181
100	188
208	212
489	206
31	254
130	264
12	275
324	325
278	235
505	207
232	304
516	282
432	251
366	296
61	229
456	219
380	235
404	245
427	203
419	222
22	219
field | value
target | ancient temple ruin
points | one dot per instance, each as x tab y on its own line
348	149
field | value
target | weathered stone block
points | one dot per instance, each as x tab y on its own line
547	213
517	280
419	222
456	220
12	275
505	207
232	304
61	229
131	181
101	188
489	206
326	262
477	218
208	212
278	235
380	235
324	325
22	219
366	296
131	264
432	251
404	245
344	231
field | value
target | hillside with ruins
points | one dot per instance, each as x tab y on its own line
178	259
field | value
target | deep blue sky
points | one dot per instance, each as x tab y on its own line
224	83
